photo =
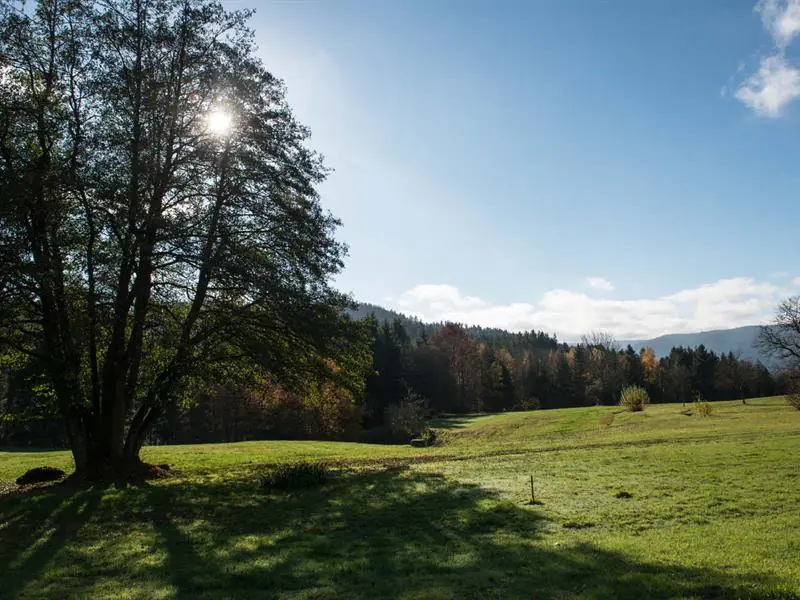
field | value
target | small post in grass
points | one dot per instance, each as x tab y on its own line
533	495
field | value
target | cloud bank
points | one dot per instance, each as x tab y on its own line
777	81
726	303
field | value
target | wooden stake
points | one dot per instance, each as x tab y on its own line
533	496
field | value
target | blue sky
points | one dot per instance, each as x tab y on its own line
560	165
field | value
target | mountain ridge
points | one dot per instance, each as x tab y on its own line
739	340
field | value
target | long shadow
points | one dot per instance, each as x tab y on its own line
396	535
455	421
35	526
390	534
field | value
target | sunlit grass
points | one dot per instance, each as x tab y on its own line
656	505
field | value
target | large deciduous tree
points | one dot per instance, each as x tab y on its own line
781	338
781	341
158	213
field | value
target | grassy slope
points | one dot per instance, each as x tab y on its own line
712	514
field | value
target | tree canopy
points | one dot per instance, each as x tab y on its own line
160	215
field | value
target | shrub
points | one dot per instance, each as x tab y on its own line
531	403
793	400
702	407
634	398
406	419
428	437
295	475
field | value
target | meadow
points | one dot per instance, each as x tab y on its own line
656	504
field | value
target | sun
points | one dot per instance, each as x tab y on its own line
219	122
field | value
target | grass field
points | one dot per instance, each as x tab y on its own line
655	505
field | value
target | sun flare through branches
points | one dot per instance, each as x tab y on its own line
219	123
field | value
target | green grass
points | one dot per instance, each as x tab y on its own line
656	505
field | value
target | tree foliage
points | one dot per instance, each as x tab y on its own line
781	338
232	403
138	245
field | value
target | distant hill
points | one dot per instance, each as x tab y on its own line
740	340
500	338
382	314
414	327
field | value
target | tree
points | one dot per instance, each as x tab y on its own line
650	366
600	339
781	339
560	380
601	364
385	385
159	214
462	353
633	367
406	419
498	386
703	366
676	376
531	379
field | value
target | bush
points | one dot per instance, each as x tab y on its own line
702	407
634	398
295	475
426	438
531	403
406	419
793	400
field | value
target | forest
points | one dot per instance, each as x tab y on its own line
409	365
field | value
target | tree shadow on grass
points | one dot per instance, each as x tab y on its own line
455	421
399	534
34	526
390	534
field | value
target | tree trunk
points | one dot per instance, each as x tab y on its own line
103	454
79	444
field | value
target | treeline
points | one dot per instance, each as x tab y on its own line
447	368
459	372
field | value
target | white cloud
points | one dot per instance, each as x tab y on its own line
440	298
723	304
781	18
796	282
773	86
776	82
725	289
600	283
